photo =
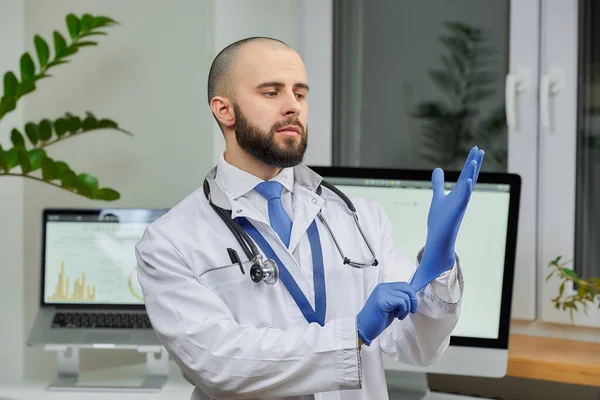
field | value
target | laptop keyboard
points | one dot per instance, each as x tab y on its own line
101	320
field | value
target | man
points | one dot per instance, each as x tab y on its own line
319	331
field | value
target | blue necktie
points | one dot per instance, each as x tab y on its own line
279	219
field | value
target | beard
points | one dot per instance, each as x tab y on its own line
263	146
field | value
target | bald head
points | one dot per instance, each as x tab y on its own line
221	74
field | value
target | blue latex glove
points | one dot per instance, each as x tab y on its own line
386	302
445	215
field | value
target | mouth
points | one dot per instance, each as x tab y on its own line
289	130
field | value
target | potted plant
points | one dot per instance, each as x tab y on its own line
588	290
28	155
451	126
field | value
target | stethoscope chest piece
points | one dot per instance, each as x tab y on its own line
266	271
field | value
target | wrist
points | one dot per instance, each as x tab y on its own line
361	338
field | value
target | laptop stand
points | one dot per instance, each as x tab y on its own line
157	369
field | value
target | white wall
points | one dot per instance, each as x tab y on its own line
11	211
149	74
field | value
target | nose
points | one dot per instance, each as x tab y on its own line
291	105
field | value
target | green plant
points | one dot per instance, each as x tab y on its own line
453	126
29	151
588	290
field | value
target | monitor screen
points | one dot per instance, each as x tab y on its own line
89	256
481	243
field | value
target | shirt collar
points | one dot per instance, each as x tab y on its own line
236	182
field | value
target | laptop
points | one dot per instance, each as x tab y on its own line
89	290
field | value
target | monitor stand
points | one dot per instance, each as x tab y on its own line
404	385
157	371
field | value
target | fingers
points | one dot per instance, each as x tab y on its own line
470	157
400	315
409	293
479	158
437	183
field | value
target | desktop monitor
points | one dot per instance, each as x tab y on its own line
485	245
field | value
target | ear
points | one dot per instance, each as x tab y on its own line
222	109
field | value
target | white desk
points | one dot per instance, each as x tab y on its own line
176	387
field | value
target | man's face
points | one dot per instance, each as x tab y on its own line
271	110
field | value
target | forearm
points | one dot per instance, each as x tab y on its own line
422	337
227	360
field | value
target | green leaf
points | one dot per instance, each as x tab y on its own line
60	44
90	122
561	289
550	275
73	123
95	33
10	84
17	138
12	157
86	22
25	87
69	180
3	165
50	170
107	194
88	181
45	129
107	123
31	130
71	50
24	162
86	43
62	167
7	104
74	25
60	126
556	260
58	62
42	50
36	156
102	21
27	67
570	273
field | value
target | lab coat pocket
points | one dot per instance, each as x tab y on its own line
222	277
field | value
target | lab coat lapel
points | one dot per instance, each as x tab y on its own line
248	210
307	205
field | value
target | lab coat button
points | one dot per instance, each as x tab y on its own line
314	201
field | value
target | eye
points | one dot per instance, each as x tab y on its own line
300	96
270	94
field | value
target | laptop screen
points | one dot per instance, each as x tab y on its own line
485	242
89	255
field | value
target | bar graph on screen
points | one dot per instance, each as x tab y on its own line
80	292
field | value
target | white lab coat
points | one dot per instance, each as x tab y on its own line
236	339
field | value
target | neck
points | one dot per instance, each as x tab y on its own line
244	161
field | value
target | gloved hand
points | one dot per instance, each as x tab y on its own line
386	302
445	215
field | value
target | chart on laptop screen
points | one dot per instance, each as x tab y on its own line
92	262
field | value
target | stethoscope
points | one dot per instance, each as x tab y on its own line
267	270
